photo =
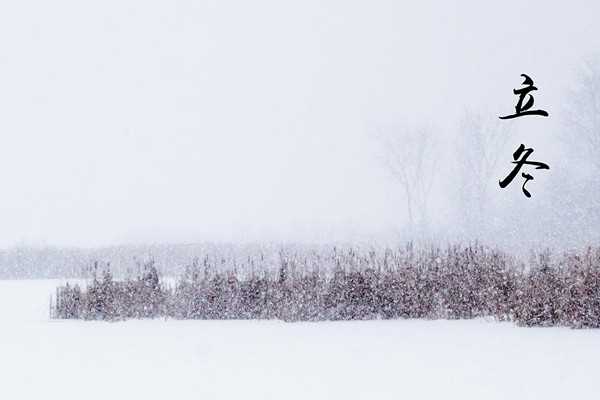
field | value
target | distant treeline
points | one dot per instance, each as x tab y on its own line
128	260
456	283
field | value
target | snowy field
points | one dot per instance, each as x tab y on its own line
157	359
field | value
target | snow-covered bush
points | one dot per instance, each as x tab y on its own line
457	283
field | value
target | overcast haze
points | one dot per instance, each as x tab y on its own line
137	121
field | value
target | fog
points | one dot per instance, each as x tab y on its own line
186	121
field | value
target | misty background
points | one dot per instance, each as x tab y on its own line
131	123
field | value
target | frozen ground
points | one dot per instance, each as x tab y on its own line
42	359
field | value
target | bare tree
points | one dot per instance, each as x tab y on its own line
479	147
411	156
582	116
578	195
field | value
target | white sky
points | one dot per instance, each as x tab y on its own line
128	120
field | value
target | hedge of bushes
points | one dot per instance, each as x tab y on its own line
459	282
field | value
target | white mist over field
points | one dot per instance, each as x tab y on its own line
142	121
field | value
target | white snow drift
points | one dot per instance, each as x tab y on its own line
412	359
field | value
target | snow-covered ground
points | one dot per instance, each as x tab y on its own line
44	359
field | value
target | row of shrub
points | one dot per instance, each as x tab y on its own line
459	282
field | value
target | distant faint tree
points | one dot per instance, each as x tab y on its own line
478	149
578	190
411	157
581	120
